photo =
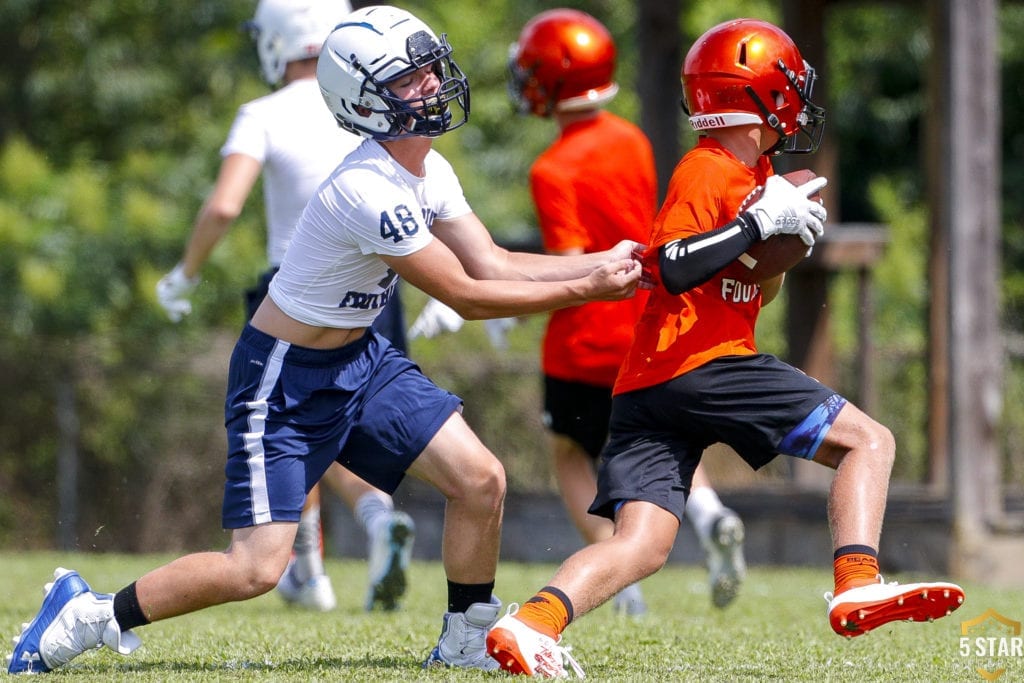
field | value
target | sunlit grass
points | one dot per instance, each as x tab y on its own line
775	631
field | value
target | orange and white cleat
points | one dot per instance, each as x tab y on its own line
522	650
858	610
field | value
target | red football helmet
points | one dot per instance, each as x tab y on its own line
564	60
750	71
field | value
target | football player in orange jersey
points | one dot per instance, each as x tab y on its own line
694	377
561	68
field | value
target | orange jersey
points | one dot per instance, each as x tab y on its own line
677	333
593	187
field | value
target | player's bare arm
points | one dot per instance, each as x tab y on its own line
470	240
439	272
238	174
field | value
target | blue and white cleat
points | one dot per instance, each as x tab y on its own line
71	620
315	594
726	565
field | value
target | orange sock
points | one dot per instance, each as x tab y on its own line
854	569
549	611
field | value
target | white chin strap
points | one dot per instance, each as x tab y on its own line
708	121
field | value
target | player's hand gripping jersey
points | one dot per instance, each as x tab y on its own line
716	318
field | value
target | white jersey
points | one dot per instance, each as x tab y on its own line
292	134
332	275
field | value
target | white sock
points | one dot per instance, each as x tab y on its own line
309	560
702	509
372	507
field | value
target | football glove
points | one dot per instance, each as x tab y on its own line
785	209
173	291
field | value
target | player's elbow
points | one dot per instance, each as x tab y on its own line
222	213
469	310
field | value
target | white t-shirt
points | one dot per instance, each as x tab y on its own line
292	133
331	275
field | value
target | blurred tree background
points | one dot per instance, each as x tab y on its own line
111	118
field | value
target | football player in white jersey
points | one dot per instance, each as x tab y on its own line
291	138
310	381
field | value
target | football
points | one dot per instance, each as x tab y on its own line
777	254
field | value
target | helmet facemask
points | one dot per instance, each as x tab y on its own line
519	81
527	93
810	121
423	116
364	57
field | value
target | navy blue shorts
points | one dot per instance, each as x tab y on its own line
579	411
757	404
292	411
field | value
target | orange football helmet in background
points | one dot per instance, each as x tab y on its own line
564	60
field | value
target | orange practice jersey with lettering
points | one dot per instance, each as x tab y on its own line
593	187
677	333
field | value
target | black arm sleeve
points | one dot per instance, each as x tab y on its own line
687	263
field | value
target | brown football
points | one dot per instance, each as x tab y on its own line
777	254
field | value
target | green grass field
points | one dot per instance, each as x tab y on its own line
775	631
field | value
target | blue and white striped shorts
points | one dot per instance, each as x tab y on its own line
291	411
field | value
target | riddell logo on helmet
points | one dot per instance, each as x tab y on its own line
706	122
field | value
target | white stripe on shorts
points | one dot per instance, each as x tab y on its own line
254	437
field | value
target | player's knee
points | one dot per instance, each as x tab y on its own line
884	444
484	486
647	551
653	562
657	554
264	582
255	580
878	440
256	573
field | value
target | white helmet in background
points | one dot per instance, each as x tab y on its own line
374	46
290	30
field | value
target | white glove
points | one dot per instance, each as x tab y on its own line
173	290
435	318
785	209
497	330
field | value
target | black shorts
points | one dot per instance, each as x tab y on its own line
579	411
757	404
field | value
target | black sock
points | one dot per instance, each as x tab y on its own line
858	549
462	595
562	598
127	611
